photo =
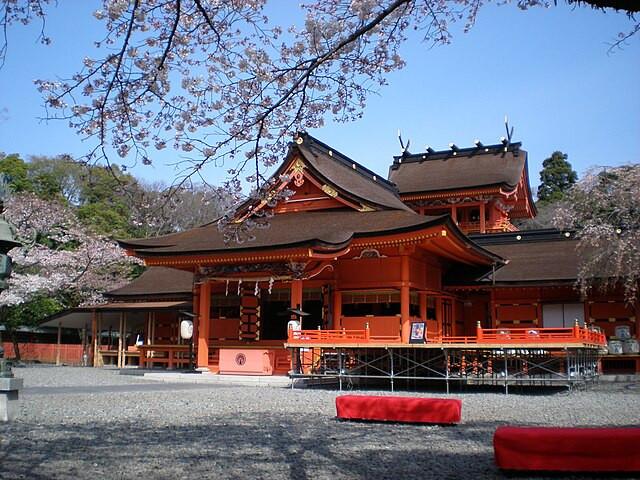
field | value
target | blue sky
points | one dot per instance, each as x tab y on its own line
547	69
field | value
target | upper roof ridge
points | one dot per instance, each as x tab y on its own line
524	236
312	142
455	151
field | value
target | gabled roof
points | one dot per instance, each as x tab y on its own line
468	168
369	208
347	175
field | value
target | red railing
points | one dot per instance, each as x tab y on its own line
505	336
338	336
576	334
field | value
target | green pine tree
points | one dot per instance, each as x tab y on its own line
556	177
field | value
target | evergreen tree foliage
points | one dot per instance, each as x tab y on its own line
556	178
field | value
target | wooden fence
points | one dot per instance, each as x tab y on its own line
46	352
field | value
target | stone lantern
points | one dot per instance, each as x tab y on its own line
9	386
7	242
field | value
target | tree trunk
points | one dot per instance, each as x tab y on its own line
14	340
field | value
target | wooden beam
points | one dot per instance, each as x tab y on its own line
94	336
58	344
85	353
124	339
119	357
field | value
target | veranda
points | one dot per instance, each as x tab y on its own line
541	357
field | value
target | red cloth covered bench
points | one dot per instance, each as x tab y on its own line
567	449
399	409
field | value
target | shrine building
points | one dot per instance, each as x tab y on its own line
342	273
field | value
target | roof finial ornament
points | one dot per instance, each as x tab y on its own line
404	149
506	141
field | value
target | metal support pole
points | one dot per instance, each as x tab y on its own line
568	372
506	374
292	356
446	368
340	368
391	365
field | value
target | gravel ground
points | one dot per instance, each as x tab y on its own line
104	425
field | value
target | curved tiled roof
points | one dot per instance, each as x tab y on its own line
329	229
158	281
537	261
533	256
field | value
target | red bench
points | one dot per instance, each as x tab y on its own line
399	409
567	449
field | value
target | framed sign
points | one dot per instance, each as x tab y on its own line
418	331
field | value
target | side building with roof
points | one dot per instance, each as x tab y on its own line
146	311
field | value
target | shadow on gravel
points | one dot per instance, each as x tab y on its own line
295	446
281	446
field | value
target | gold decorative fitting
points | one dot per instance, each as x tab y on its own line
443	233
365	208
271	195
299	140
297	172
332	192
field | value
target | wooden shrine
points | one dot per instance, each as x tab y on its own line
422	276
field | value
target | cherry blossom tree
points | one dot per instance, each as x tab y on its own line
604	209
220	82
58	258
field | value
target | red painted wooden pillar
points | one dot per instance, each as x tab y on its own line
296	297
492	310
483	226
405	299
423	306
94	337
337	310
440	316
204	324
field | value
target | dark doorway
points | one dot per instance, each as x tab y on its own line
273	319
314	319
